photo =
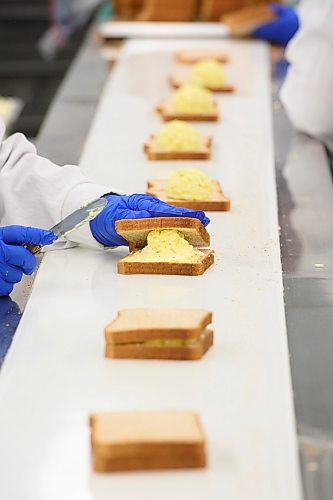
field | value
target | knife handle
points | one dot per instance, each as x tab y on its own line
34	249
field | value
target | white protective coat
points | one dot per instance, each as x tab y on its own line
307	91
36	192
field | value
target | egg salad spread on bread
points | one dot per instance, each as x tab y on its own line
170	342
189	184
177	135
166	245
192	99
208	72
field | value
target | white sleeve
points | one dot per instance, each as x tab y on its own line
36	192
307	93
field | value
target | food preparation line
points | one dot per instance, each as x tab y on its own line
55	373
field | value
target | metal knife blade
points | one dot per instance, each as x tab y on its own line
74	221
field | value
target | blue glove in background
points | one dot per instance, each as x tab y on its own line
135	206
282	29
16	260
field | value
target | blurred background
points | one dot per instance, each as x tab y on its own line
40	38
38	41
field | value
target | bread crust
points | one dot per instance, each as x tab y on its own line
217	203
135	351
177	81
203	153
191	56
138	463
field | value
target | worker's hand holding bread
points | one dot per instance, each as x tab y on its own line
135	206
281	29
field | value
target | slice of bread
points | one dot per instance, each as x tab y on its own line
165	109
217	203
203	153
193	351
135	231
178	80
168	268
187	460
138	325
146	440
191	56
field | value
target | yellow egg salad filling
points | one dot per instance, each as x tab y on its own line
192	99
178	136
189	184
169	342
208	73
166	245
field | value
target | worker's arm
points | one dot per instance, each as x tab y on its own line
36	192
308	89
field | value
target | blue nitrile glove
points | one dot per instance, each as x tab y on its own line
135	206
15	260
282	29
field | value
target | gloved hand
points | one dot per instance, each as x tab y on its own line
282	29
135	206
14	258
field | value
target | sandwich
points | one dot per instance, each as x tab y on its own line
143	440
178	140
208	73
190	188
178	334
190	102
165	245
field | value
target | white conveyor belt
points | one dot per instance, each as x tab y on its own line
138	29
55	372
